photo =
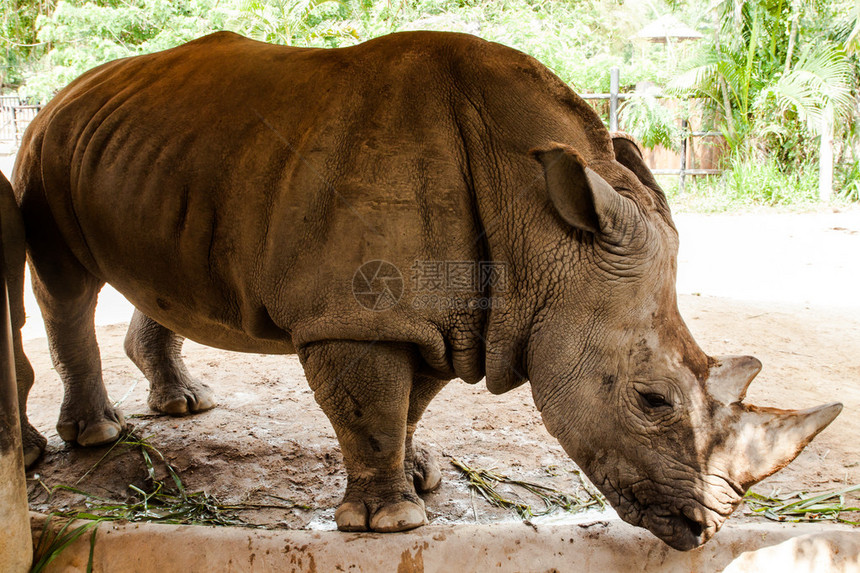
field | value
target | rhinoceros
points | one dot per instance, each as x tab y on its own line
14	260
273	199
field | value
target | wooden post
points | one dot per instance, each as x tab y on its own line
16	543
15	126
682	172
614	81
825	160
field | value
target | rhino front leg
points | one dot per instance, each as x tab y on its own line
67	295
364	388
156	350
421	464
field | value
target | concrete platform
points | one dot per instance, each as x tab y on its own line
600	546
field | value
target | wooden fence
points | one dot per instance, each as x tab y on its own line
658	160
15	116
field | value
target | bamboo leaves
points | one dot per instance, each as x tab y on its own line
801	506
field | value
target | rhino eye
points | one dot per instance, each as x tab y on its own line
654	400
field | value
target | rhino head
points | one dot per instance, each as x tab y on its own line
659	426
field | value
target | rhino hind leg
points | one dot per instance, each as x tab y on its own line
364	389
420	463
67	294
156	351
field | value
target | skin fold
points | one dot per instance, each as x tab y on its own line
232	190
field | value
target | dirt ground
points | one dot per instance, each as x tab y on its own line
782	287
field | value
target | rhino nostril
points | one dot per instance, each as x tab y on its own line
695	527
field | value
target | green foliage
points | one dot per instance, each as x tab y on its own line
751	182
291	22
651	123
82	36
848	28
580	40
18	42
743	72
817	87
746	184
848	181
777	72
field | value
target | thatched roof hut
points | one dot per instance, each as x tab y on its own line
666	28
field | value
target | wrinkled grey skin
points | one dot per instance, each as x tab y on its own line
231	189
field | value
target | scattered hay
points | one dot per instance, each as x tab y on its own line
163	503
485	482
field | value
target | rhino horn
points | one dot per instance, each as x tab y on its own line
767	439
730	377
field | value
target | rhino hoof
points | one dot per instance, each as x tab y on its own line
31	455
399	516
95	432
351	516
34	444
183	400
426	475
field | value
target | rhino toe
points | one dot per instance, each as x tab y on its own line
425	471
33	442
399	516
182	399
351	516
95	430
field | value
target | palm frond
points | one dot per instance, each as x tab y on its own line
818	84
700	75
848	30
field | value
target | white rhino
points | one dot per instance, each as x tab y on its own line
231	189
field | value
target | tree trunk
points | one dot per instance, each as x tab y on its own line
792	35
727	107
825	158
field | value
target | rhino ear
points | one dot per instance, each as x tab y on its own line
580	196
629	154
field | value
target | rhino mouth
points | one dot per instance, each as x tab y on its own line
683	529
687	533
682	524
682	520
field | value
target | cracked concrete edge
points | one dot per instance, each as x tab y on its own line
600	546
